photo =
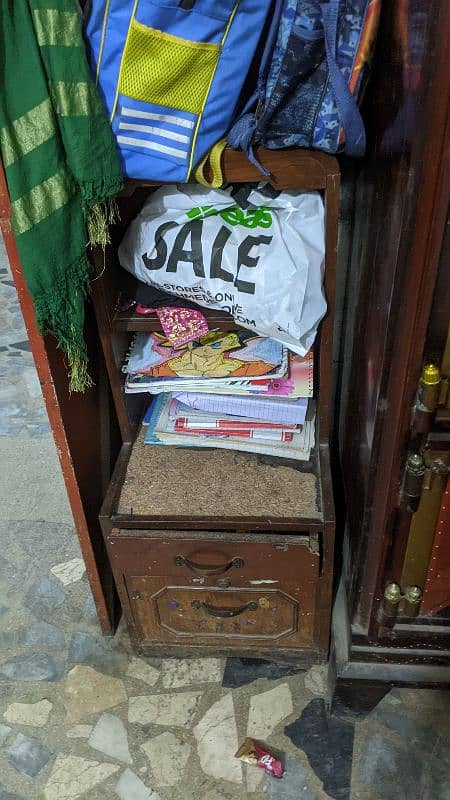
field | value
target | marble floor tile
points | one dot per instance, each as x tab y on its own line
188	672
36	714
31	668
89	692
29	639
5	730
110	737
26	495
315	679
27	755
293	786
130	787
69	571
217	741
168	756
328	744
73	776
141	671
41	633
46	594
164	709
384	765
256	779
8	796
267	710
242	671
97	651
417	732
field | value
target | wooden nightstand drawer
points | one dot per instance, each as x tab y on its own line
199	558
164	612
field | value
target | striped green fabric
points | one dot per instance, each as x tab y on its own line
60	162
27	132
55	27
75	99
40	202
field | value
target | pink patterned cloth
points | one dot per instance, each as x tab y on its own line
180	325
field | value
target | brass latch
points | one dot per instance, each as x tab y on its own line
413	481
427	398
400	604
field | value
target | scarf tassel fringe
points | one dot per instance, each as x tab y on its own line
60	312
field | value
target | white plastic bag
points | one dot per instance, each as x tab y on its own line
262	264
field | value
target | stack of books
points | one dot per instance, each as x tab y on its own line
228	389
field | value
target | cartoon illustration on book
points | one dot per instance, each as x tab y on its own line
218	354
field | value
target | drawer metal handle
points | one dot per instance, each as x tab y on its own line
225	611
212	569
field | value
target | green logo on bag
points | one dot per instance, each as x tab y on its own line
251	218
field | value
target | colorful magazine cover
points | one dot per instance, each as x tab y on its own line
298	383
218	354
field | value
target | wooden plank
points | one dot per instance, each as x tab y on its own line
284	167
129	321
60	408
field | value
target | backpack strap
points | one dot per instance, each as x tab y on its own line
349	113
214	159
241	135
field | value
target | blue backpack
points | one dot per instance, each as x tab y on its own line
171	73
311	74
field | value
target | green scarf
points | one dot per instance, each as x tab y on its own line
60	163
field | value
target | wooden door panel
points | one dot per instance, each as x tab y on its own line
168	613
401	205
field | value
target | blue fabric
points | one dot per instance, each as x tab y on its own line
161	151
117	21
139	137
94	30
235	62
306	101
203	23
348	111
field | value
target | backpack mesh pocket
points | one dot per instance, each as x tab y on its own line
167	70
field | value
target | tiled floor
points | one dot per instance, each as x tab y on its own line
80	716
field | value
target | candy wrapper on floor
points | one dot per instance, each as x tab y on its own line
253	752
263	264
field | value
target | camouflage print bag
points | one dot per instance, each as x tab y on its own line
312	74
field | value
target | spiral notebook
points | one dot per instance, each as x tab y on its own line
270	409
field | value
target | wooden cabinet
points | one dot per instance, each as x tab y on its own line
387	628
201	590
257	576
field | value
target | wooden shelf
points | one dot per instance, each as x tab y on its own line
213	507
298	169
129	321
295	168
214	488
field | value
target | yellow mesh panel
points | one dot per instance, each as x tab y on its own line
166	70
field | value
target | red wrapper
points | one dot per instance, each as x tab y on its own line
255	753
